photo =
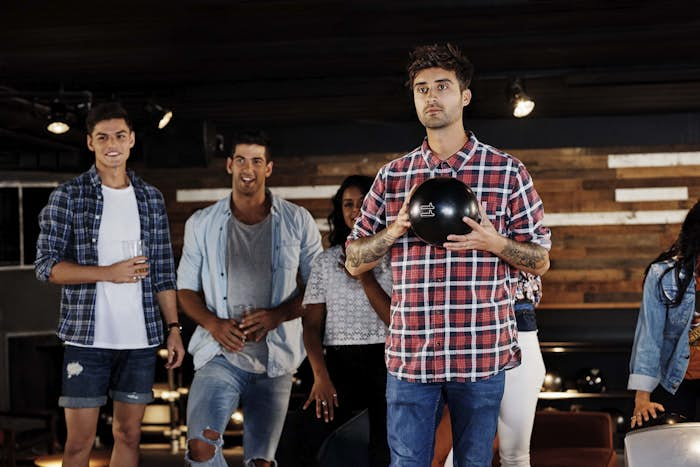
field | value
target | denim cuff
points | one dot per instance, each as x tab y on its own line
642	382
132	397
71	402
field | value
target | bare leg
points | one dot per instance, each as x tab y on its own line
127	434
81	425
201	451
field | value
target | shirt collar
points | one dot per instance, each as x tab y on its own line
96	180
274	205
456	160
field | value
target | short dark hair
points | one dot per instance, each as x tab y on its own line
258	137
106	111
338	231
446	56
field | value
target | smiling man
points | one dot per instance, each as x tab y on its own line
452	332
110	301
237	280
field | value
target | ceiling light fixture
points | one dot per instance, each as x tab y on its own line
165	119
162	115
521	102
58	123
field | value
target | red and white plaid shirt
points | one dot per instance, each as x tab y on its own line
451	312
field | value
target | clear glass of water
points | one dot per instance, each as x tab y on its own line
132	248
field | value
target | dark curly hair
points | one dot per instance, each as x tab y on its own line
338	230
683	252
446	56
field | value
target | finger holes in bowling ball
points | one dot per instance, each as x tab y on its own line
437	207
590	380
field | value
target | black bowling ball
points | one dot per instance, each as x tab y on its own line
662	418
666	418
552	382
590	380
437	207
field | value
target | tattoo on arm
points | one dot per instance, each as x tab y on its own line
369	249
524	254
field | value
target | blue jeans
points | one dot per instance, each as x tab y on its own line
90	374
217	390
414	411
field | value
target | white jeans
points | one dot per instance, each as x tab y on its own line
518	404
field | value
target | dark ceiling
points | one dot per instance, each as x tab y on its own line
302	63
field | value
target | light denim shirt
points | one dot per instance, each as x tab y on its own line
660	352
295	243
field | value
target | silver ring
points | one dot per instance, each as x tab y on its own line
134	278
324	403
335	395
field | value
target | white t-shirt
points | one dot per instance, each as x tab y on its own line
350	319
119	320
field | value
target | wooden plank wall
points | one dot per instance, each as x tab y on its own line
592	266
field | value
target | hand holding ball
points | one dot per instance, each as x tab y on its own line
437	207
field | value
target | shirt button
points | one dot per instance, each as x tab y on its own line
94	240
222	274
438	344
224	298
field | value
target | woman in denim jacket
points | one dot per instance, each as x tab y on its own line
666	351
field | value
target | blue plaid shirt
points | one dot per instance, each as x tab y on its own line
69	226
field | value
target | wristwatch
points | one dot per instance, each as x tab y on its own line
174	325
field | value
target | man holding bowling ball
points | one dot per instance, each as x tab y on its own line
452	332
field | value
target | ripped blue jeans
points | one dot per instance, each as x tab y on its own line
217	390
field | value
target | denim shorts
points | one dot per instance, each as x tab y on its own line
91	374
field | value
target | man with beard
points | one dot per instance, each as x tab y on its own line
452	332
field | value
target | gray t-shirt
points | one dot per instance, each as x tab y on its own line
249	264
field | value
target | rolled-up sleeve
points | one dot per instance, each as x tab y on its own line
310	245
645	361
371	219
55	221
526	221
189	272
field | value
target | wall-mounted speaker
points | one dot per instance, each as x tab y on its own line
182	143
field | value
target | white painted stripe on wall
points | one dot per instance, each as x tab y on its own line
286	192
654	159
201	194
596	218
305	192
555	219
615	218
651	194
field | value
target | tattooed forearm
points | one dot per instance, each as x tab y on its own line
526	256
368	250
